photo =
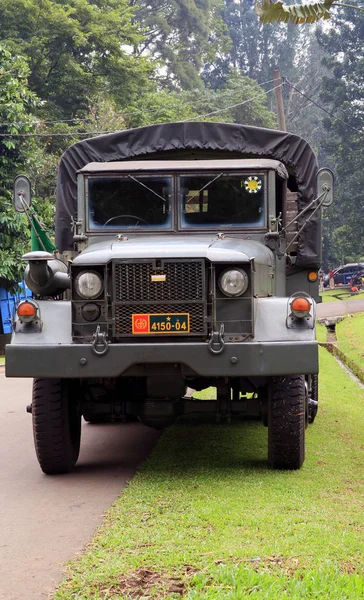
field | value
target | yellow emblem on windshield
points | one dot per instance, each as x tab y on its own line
253	184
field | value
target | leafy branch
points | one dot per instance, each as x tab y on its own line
269	11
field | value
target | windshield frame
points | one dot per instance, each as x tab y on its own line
111	229
175	201
215	174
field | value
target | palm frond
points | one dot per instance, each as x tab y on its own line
297	14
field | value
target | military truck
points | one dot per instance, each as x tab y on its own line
188	257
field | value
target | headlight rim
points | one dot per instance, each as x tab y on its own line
245	277
77	288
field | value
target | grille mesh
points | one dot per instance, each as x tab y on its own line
183	291
184	280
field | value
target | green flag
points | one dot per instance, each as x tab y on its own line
40	237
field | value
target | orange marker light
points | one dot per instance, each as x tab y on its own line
300	307
312	276
26	311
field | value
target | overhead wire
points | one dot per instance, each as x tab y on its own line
215	112
285	80
89	119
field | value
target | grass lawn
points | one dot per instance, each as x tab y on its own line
340	294
2	360
205	519
350	337
321	333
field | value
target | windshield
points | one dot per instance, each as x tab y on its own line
132	201
222	199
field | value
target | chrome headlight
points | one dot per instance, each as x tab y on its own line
233	282
88	284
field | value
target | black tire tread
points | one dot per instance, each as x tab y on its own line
56	431
314	395
286	422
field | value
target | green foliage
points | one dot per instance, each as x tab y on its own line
127	63
343	90
181	35
16	102
76	50
297	14
255	51
247	100
158	107
302	116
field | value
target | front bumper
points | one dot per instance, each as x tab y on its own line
237	359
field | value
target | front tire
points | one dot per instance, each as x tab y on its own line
56	425
286	422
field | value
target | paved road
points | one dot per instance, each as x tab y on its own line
46	521
341	307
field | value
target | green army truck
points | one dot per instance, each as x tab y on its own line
188	257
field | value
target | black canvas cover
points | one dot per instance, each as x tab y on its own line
168	138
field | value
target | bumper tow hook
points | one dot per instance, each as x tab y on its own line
100	345
216	343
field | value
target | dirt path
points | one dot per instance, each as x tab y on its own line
46	521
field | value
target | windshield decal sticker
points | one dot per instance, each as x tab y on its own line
253	184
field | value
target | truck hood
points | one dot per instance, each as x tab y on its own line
228	249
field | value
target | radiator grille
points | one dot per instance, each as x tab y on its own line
184	280
183	291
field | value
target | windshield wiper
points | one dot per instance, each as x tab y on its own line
147	188
203	188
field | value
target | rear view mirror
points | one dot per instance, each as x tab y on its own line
325	185
22	193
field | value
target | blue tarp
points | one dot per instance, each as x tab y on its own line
7	303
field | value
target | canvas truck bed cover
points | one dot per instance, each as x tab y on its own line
161	141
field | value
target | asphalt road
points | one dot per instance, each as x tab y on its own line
45	521
341	307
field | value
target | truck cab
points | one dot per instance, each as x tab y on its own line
180	267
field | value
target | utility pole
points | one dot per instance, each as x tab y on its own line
279	100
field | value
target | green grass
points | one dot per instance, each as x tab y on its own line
339	294
2	360
321	333
350	337
205	518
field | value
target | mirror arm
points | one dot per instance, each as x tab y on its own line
323	195
26	210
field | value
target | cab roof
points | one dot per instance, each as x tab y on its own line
252	164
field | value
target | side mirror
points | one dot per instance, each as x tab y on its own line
22	193
325	183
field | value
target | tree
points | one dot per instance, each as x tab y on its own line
16	104
343	91
158	107
303	117
241	100
181	35
255	51
76	50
